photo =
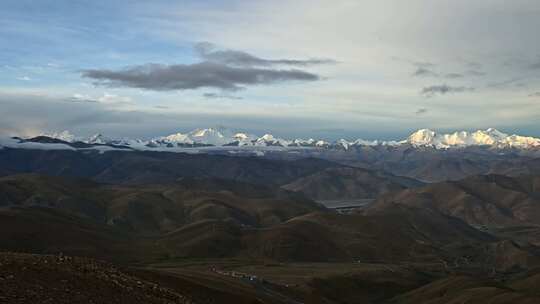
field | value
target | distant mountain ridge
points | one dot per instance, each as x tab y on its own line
222	137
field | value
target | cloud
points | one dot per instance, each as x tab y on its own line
446	33
474	65
207	51
421	72
24	78
160	77
221	96
423	64
220	69
81	98
114	99
454	75
339	131
425	72
475	73
516	81
443	89
427	69
535	66
421	111
31	115
535	94
106	98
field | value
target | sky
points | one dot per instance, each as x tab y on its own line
305	68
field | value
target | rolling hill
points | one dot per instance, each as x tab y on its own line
135	167
349	183
489	200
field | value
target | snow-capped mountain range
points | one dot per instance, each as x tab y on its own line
215	137
221	137
489	137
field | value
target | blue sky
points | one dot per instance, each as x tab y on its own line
370	69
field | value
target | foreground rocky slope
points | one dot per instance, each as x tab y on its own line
465	289
27	278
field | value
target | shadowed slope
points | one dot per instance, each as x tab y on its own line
491	200
349	183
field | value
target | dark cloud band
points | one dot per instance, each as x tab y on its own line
160	77
220	69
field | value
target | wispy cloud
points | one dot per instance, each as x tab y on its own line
81	98
535	66
106	98
516	81
454	75
443	89
221	96
421	72
475	73
423	64
209	52
24	78
474	65
421	111
427	72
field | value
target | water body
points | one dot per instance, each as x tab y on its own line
347	205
